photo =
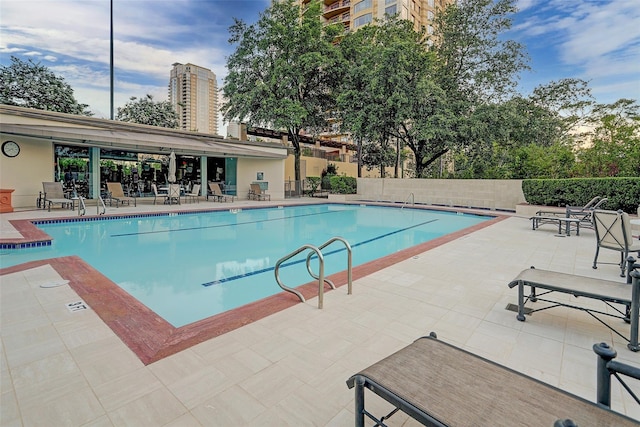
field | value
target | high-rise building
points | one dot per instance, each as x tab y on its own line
355	13
193	92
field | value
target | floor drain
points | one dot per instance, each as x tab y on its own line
514	307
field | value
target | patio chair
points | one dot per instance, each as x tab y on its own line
613	231
157	195
217	194
256	193
174	193
116	193
54	194
194	194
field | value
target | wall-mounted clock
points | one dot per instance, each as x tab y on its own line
10	149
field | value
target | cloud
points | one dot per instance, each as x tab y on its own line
598	41
32	53
11	50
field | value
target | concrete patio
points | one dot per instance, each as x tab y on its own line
63	368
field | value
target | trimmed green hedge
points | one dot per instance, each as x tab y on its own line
623	193
343	184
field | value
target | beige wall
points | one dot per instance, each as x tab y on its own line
273	173
502	194
313	166
26	172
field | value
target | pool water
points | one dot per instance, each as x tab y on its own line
190	266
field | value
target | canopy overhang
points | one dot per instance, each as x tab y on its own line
195	145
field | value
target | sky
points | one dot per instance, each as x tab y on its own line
594	40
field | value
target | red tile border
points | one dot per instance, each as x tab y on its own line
152	338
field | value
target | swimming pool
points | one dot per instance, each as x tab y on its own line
190	266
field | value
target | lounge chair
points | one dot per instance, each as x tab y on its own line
216	193
256	193
613	231
439	384
572	216
54	194
584	214
116	193
621	300
194	194
157	195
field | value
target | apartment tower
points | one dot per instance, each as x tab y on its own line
193	92
354	14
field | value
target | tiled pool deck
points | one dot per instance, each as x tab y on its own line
289	368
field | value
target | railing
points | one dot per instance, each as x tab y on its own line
320	277
413	201
349	259
82	207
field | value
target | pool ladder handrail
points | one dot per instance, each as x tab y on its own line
413	201
82	207
349	258
320	277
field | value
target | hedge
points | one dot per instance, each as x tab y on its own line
343	184
622	193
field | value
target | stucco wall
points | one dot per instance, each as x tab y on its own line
313	166
26	172
476	193
272	172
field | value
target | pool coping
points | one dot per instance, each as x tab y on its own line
152	338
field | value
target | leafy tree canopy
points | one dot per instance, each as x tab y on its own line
146	111
281	73
32	85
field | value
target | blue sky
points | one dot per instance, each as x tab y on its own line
596	40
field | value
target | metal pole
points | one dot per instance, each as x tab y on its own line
603	376
111	61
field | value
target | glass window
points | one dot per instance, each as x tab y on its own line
364	4
391	10
362	20
431	3
430	15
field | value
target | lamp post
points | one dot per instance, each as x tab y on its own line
111	61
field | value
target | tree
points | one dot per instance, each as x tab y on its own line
613	146
146	111
282	71
476	67
32	85
389	94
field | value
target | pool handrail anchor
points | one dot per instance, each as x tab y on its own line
413	200
104	207
320	277
82	208
349	262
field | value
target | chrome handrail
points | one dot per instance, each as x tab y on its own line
413	201
320	277
349	258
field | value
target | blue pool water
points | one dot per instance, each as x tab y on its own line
191	266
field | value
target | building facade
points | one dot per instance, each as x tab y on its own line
193	92
354	14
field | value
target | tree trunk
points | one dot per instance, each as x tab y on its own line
359	154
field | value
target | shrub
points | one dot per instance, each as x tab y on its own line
622	193
343	184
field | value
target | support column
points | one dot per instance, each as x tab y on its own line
204	179
94	173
